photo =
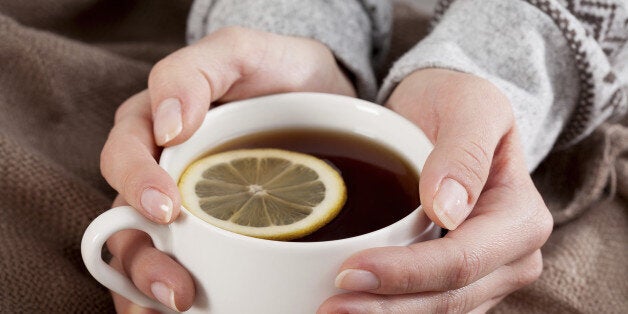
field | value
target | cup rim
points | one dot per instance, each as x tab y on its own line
167	153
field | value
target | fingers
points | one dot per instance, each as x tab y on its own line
486	306
121	304
502	281
509	224
128	163
465	117
153	272
183	85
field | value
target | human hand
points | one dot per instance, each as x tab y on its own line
230	64
476	184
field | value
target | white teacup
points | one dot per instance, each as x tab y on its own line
240	274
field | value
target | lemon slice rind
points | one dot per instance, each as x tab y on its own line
236	184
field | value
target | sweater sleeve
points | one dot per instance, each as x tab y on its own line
561	63
356	31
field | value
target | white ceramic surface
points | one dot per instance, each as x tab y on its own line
239	274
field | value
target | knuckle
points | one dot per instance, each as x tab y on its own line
530	272
107	156
451	302
408	280
541	223
546	223
246	48
105	167
474	160
535	219
122	111
476	151
167	72
468	266
130	183
110	157
470	176
157	74
243	42
132	108
117	133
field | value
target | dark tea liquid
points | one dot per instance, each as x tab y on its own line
382	187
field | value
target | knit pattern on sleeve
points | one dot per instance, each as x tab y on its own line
596	32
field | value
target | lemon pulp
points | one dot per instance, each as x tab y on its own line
264	193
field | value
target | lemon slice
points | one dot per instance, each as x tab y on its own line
263	193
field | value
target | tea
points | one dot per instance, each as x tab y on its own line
382	187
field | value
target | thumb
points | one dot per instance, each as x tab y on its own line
183	84
234	63
465	117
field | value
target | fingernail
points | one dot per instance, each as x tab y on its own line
167	122
164	294
450	203
157	204
357	280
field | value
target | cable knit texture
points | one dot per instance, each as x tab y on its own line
559	62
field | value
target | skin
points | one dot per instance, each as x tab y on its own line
495	251
492	253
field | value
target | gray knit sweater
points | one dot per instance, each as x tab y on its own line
562	63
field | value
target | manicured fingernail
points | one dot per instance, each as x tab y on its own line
357	280
164	294
157	204
167	123
451	203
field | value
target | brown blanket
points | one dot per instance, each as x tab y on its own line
65	65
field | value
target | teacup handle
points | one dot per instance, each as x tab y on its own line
103	227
